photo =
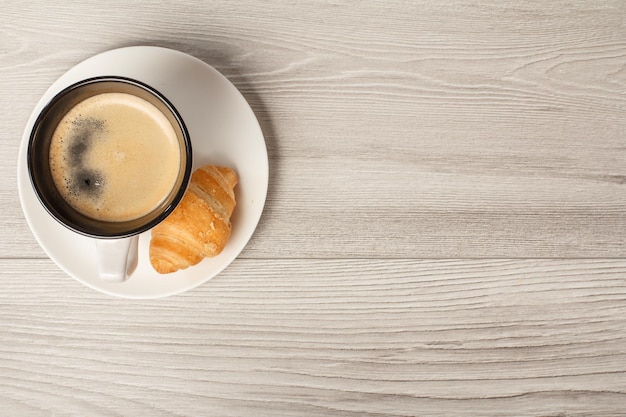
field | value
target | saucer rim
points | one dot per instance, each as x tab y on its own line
24	183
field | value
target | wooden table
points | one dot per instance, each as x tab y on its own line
443	236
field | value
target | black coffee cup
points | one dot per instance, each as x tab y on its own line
54	197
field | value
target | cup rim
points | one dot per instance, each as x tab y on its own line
122	232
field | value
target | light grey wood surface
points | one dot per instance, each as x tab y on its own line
444	231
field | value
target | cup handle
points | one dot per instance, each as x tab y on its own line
117	258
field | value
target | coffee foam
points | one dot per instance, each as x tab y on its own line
115	157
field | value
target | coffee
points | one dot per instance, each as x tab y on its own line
115	157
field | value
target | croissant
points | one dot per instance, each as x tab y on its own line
200	226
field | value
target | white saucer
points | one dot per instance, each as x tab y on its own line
224	131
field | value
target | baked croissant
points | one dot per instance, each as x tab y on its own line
200	226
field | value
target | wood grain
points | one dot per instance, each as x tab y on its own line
323	337
444	231
396	129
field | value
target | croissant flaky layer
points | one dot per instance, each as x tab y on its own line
200	226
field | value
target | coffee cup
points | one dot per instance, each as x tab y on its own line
110	158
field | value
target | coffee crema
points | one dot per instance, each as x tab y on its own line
115	157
